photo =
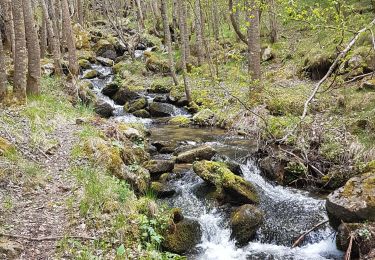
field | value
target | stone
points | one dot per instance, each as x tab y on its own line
132	134
110	89
158	109
232	165
103	108
272	168
91	74
157	167
244	222
139	179
102	46
354	202
162	190
48	69
135	105
182	236
105	61
123	95
143	113
267	54
84	64
200	153
85	93
204	117
159	88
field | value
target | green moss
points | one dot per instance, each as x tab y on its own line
180	121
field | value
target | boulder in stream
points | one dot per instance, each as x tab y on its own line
143	113
90	74
84	64
354	202
158	109
162	190
110	89
157	167
103	108
204	117
244	222
230	187
196	154
123	95
135	105
105	61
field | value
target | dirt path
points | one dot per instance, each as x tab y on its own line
42	212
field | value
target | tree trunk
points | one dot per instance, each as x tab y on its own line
3	75
168	41
33	50
80	12
198	30
43	39
184	43
253	35
273	21
141	21
69	37
20	55
6	6
233	19
185	34
52	40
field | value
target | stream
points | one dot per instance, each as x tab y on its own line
288	211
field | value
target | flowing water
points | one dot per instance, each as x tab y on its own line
288	212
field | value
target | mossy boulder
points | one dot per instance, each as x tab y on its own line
85	93
159	88
142	113
158	167
5	146
317	64
180	121
103	47
244	222
232	188
110	89
84	64
368	85
165	146
86	55
133	155
103	108
138	178
182	236
135	105
158	109
156	64
105	61
162	190
124	94
204	118
91	74
200	153
355	202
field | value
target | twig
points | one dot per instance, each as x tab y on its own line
349	250
302	237
359	77
38	239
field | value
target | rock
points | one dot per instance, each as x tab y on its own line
103	109
109	54
180	121
142	113
82	37
132	134
368	85
90	74
204	118
80	121
182	102
123	95
139	179
232	165
135	105
110	89
131	155
10	249
165	146
161	98
162	190
161	109
156	65
200	153
103	47
355	202
244	223
183	236
105	61
267	54
272	168
157	167
48	69
84	64
234	189
317	65
5	146
159	88
85	93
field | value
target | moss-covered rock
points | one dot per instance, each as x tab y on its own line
135	105
134	155
102	46
90	74
138	178
156	64
143	113
85	93
200	153
125	94
103	108
317	64
233	189
86	55
162	190
368	85
182	236
157	167
84	64
158	109
110	89
105	61
355	202
180	121
244	223
5	146
159	87
204	118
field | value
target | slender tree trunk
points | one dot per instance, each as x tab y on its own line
70	41
20	55
273	21
140	15
33	50
6	6
43	39
168	41
185	34
198	30
3	75
184	44
253	35
80	12
233	19
52	40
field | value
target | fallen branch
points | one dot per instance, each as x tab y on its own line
349	250
359	77
38	239
302	237
326	76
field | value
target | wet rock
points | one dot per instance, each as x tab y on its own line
182	236
204	118
200	153
135	105
272	168
244	223
105	61
143	113
162	190
162	99
91	74
5	146
163	146
157	167
182	102
232	165
158	109
123	95
103	108
10	249
84	64
232	188
355	202
110	89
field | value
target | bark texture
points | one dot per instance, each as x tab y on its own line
3	75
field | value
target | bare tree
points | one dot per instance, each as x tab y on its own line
3	75
273	21
198	30
33	50
253	36
43	39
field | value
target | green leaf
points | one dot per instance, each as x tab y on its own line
120	250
